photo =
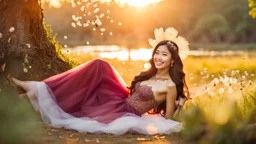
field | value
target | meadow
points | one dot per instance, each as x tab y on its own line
223	110
224	93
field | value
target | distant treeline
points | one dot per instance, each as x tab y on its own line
200	21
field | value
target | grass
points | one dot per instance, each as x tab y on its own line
217	116
225	111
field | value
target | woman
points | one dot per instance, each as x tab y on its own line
93	97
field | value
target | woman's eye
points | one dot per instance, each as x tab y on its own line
164	54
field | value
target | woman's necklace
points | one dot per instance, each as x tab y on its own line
155	78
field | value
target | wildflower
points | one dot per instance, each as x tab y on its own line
215	81
221	90
230	90
211	93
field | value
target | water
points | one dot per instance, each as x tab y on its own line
123	54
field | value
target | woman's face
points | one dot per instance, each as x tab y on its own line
162	57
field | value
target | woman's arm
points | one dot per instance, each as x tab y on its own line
170	101
180	104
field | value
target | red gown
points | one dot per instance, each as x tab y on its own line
93	98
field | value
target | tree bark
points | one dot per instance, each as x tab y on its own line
26	51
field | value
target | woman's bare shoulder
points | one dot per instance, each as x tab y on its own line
171	84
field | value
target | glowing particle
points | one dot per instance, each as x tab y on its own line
73	24
12	29
25	70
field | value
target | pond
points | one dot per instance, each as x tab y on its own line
123	54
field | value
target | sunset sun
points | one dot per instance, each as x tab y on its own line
138	3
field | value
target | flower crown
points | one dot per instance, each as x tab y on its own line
171	34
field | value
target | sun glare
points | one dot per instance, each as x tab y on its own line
138	3
135	3
54	3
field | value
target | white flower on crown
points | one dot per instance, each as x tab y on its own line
172	35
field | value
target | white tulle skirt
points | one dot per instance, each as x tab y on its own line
43	101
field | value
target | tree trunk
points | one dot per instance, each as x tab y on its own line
26	51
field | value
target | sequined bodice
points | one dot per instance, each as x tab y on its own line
142	99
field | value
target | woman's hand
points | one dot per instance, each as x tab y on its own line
181	101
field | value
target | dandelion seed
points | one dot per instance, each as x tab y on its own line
111	21
79	23
102	29
96	10
119	23
25	70
94	29
12	29
102	15
73	24
98	22
1	35
65	37
88	4
101	33
85	24
110	33
147	66
74	17
82	8
28	45
246	73
108	11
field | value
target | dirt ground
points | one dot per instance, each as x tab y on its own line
64	136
